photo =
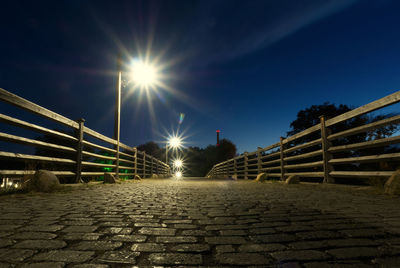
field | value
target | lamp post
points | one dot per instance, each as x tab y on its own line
117	119
145	76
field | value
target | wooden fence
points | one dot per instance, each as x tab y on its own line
80	158
326	150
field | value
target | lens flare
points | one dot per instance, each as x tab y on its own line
178	174
181	117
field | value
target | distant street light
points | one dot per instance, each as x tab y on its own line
174	142
178	163
144	75
178	174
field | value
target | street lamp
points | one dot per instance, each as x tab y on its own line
174	142
178	163
144	75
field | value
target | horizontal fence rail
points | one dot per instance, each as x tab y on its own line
325	150
69	154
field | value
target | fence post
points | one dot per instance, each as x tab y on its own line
117	161
151	167
144	164
326	155
235	168
282	162
246	168
79	150
136	154
259	166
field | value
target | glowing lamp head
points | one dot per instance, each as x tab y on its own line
178	163
178	174
175	142
143	74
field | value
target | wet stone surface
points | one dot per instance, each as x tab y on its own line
201	222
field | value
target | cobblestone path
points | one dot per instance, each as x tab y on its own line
201	222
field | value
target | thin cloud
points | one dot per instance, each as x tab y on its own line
221	41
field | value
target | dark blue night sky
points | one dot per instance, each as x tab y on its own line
244	67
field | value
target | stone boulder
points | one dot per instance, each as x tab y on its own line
43	181
137	177
293	179
261	177
109	178
154	176
233	177
392	186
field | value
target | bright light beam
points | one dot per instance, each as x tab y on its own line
175	142
144	74
178	174
178	163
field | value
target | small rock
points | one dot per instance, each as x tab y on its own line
43	181
109	178
154	176
261	177
137	177
293	179
392	186
231	177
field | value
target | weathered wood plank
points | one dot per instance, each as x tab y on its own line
127	155
35	143
22	103
302	134
271	168
270	155
369	158
98	155
269	147
35	158
92	164
276	161
99	136
301	156
278	175
365	174
307	174
365	128
29	126
305	165
304	145
18	173
99	147
367	108
91	174
126	147
127	161
365	144
125	167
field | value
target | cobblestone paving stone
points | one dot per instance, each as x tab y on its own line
201	222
